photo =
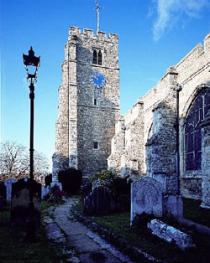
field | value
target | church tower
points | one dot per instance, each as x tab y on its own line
88	102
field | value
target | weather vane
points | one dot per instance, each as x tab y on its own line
97	16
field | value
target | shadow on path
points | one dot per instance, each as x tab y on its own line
76	241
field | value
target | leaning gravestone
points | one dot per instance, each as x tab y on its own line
21	212
147	198
2	195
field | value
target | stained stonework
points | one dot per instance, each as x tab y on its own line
86	114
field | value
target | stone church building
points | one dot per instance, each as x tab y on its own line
88	101
167	128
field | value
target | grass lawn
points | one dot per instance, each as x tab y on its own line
15	248
194	212
140	237
119	224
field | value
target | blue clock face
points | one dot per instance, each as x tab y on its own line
98	80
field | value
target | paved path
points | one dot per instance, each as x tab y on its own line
78	242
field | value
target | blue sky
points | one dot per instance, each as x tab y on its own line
153	34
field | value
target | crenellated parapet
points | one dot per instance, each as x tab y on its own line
90	34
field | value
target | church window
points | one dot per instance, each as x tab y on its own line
95	145
196	114
97	57
95	102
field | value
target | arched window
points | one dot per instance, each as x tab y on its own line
196	114
95	57
99	57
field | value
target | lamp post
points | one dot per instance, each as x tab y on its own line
31	63
178	89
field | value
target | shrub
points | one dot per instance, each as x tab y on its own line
118	187
86	188
103	176
71	180
48	180
55	196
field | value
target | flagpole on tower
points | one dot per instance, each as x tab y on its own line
97	16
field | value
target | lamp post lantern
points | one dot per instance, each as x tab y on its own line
31	63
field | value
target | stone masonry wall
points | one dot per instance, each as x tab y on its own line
161	146
80	121
206	162
127	144
192	71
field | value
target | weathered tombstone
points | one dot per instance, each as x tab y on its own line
24	213
45	190
2	195
8	183
170	234
146	198
99	202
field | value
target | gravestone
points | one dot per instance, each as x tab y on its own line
8	183
45	190
99	202
22	213
170	234
2	195
146	198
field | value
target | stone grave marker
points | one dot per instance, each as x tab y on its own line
21	212
45	190
147	197
99	202
170	234
8	183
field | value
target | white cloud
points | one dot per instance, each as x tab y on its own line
169	11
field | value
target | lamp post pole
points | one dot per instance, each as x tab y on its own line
31	63
31	149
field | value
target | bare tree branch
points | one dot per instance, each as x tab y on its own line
14	162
